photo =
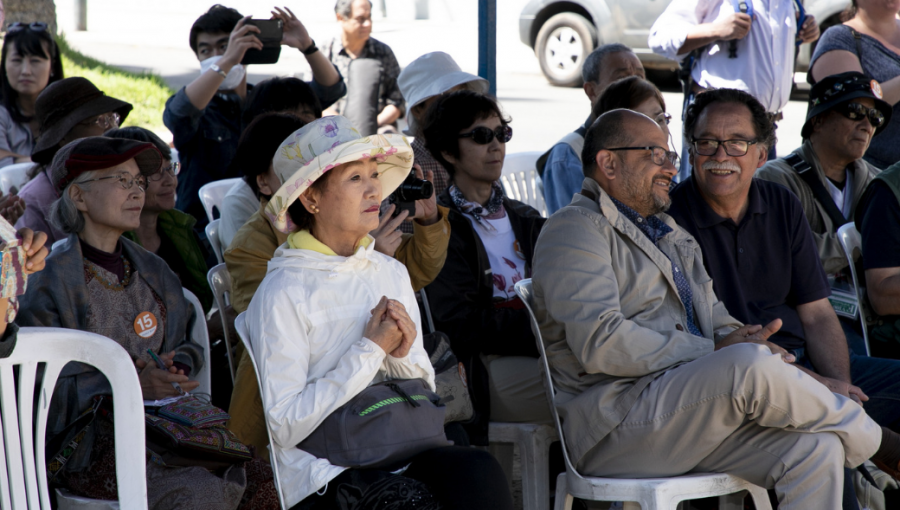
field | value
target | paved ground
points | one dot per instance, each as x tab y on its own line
154	36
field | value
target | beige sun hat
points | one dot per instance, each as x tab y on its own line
325	144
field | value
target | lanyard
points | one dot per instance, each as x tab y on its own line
800	19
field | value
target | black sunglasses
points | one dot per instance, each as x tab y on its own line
483	136
37	26
856	111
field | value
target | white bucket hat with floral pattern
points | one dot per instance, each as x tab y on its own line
325	144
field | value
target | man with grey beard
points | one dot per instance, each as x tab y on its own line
654	377
759	249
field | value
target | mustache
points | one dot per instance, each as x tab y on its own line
721	165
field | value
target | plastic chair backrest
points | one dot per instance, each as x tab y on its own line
200	336
851	242
212	194
220	282
23	428
521	181
212	233
429	320
14	175
240	325
524	290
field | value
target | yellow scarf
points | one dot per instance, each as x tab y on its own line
304	240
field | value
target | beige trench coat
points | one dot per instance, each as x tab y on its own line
610	314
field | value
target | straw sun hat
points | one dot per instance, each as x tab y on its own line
323	145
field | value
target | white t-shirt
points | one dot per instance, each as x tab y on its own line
238	205
505	255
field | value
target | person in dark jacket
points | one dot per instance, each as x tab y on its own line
205	116
491	245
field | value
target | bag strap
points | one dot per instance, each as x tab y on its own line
805	171
61	453
740	6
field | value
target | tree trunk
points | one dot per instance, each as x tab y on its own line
28	11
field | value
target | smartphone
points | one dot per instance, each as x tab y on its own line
270	34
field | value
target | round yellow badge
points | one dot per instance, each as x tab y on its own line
145	324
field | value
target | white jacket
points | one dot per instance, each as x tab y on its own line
306	325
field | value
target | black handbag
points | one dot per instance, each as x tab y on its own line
383	426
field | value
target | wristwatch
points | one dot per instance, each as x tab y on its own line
312	49
219	70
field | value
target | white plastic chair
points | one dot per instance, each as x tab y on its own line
533	440
212	233
14	175
240	325
650	493
212	194
200	336
851	242
521	181
220	282
23	470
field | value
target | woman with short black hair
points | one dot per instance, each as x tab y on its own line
492	240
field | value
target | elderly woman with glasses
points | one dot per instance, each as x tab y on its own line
491	244
100	282
164	230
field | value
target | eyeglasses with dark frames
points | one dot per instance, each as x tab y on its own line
734	148
173	169
658	154
126	180
483	136
857	112
37	26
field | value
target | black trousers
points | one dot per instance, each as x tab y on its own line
460	478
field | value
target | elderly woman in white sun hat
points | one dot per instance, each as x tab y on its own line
334	317
421	82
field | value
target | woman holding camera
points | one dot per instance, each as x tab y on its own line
333	317
491	245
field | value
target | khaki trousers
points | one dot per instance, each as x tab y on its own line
517	390
743	411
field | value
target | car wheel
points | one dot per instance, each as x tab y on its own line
563	43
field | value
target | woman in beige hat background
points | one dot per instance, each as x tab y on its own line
334	316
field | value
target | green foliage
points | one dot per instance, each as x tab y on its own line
146	91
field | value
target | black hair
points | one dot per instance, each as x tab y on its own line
27	42
627	93
762	121
258	144
607	131
449	115
303	219
279	95
590	70
218	19
344	7
142	135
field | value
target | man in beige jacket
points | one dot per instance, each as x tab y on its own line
651	387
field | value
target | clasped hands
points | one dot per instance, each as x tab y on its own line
391	328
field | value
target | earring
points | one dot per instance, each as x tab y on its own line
315	210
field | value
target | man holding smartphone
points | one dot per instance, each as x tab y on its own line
205	116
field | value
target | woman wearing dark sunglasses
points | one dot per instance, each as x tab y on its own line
28	63
491	244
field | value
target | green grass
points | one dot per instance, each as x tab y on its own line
146	91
